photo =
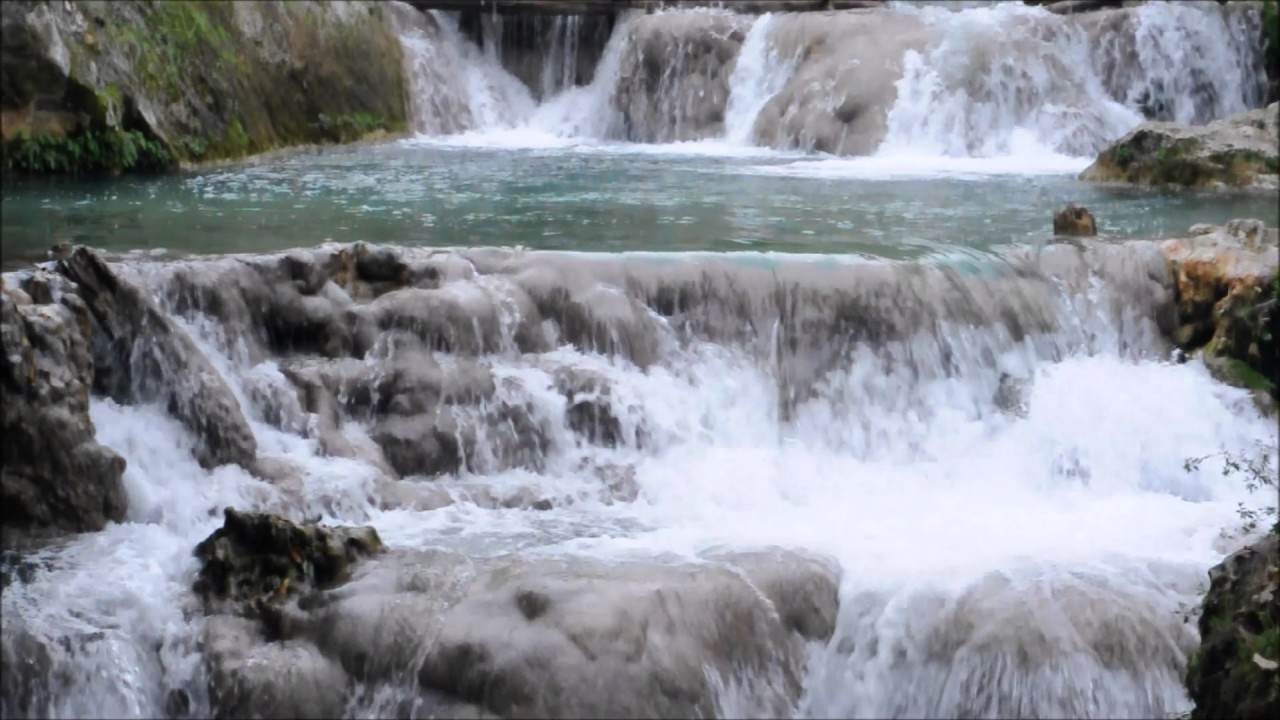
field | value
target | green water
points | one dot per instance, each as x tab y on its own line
617	199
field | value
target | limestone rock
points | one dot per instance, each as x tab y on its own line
676	77
1240	621
1227	283
55	474
1238	151
1074	221
141	355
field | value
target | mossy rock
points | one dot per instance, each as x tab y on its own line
215	80
1237	151
258	556
1232	674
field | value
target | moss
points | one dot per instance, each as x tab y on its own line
86	153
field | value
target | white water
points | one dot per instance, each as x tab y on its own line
1002	87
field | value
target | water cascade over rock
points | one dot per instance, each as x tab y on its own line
645	485
973	81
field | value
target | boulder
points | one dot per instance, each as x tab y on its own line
141	355
1227	281
1242	150
1236	672
55	474
261	558
1074	221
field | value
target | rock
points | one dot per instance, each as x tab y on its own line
249	678
675	75
1239	622
202	81
542	636
589	411
1074	221
1227	283
263	558
1237	151
55	474
141	355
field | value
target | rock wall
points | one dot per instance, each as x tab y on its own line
135	85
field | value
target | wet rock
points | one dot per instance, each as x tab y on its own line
55	475
589	412
492	437
839	95
250	678
28	664
1228	280
1242	150
567	637
1074	221
1234	674
263	558
675	77
141	355
421	445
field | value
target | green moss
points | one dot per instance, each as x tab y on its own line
351	127
86	153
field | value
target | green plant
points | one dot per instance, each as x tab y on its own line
88	152
1257	471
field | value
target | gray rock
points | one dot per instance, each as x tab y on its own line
545	637
141	355
55	474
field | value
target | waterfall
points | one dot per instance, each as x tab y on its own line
980	80
992	454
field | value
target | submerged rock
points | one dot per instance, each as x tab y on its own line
55	474
1236	673
1074	221
1242	150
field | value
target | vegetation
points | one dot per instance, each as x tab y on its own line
347	128
86	153
1257	472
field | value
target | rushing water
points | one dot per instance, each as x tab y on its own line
997	561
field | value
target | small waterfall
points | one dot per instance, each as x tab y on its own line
560	67
1001	78
1189	62
757	76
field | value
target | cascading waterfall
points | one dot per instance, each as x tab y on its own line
1003	551
984	80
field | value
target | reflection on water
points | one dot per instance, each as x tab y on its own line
588	198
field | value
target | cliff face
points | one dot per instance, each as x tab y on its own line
90	85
